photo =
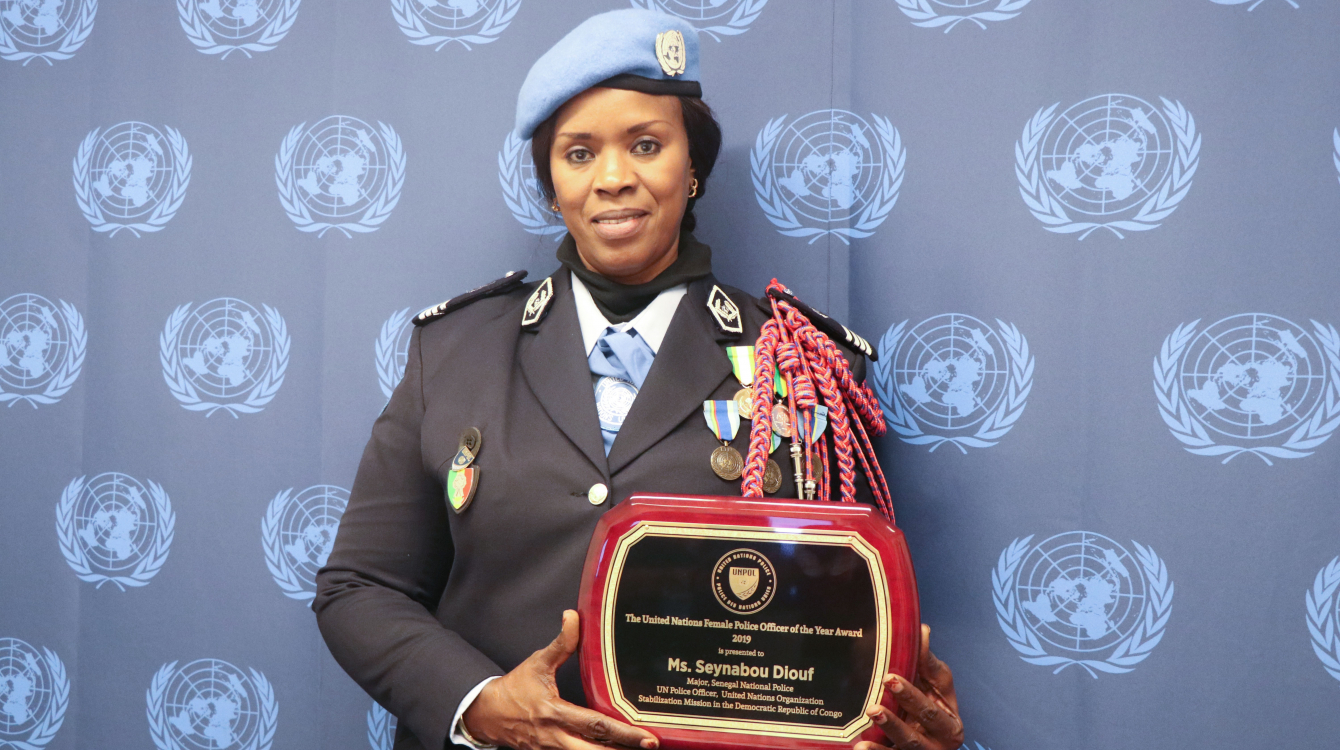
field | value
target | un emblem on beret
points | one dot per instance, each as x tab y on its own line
392	350
437	23
1110	162
46	30
298	533
341	173
222	27
381	728
827	172
715	18
210	704
114	529
1080	598
41	349
1322	615
224	354
932	14
953	379
1251	383
522	192
34	693
131	176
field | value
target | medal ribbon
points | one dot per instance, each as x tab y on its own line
723	419
812	424
742	362
779	382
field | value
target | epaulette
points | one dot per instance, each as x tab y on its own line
832	328
507	283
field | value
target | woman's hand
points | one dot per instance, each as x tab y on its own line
930	708
522	709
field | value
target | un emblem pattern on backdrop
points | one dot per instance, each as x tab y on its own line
43	349
211	704
1079	598
827	172
340	174
47	31
34	694
1321	603
1261	384
222	27
437	23
225	350
932	14
392	350
381	728
131	176
953	379
715	18
114	529
1114	160
1335	155
1253	5
298	534
522	192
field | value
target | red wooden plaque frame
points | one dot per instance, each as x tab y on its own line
852	520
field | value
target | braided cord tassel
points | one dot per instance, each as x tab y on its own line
760	434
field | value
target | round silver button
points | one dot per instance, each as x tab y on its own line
597	493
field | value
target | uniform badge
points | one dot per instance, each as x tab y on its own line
461	484
670	52
724	310
538	304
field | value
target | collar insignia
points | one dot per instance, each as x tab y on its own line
670	52
724	310
538	304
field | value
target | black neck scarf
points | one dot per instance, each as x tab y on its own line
620	303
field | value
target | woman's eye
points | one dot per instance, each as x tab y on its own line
646	147
579	155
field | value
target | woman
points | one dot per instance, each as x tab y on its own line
438	613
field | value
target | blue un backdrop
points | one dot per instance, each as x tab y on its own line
1095	242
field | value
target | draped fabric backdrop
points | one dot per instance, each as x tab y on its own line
1095	242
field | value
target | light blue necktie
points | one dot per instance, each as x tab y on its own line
625	357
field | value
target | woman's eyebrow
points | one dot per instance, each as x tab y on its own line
634	129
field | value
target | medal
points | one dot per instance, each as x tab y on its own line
742	362
723	419
781	420
772	477
461	484
744	399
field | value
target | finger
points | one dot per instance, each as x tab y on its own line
938	676
868	745
598	727
901	736
939	721
551	657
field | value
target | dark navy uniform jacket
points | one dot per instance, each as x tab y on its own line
419	604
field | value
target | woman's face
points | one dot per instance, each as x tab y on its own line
620	165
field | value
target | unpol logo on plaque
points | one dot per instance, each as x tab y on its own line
437	23
298	533
41	349
210	704
1112	162
34	694
744	581
1251	383
115	529
222	27
131	176
46	30
340	173
715	18
224	354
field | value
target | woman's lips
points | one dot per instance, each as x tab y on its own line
618	225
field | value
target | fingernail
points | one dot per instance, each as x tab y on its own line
896	686
879	717
650	744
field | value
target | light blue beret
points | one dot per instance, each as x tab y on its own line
639	49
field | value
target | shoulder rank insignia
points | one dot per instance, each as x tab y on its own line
538	305
725	311
832	328
510	281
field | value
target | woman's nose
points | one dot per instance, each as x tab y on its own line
614	173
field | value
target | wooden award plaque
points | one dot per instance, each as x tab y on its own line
726	622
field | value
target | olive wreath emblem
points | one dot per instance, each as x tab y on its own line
188	12
745	14
51	722
1048	210
413	26
534	218
1320	600
1254	3
389	373
148	566
167	204
158	720
267	384
992	429
381	728
74	38
923	14
782	216
372	218
63	379
1124	656
1188	429
1335	157
283	573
